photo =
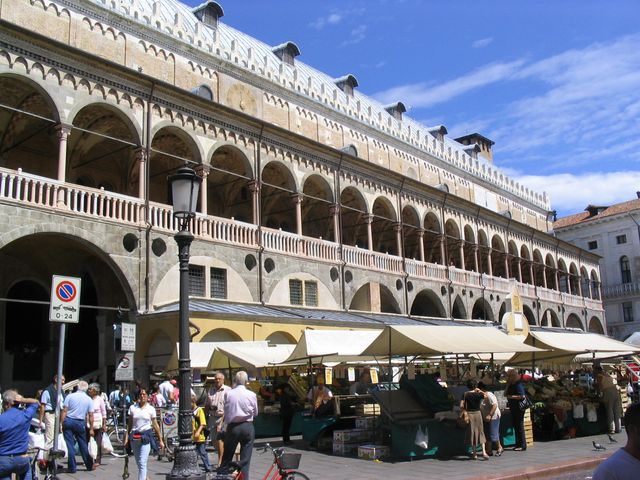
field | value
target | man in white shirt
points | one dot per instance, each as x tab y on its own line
625	463
240	408
320	397
166	389
214	409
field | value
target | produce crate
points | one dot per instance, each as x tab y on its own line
343	449
373	452
528	427
366	423
368	409
352	435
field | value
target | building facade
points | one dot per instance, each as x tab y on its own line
315	198
613	232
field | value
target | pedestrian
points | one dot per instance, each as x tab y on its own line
287	410
167	389
77	414
99	419
240	409
157	399
14	435
320	397
514	393
625	463
471	401
362	386
47	412
610	398
141	426
214	409
491	417
199	426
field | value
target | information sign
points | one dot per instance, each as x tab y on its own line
128	339
124	368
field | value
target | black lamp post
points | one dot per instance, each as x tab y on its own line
185	185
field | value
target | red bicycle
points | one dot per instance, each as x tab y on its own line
283	467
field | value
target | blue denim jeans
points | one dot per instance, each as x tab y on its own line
201	450
141	453
21	466
76	430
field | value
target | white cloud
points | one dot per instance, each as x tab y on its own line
332	19
356	35
483	42
421	95
571	193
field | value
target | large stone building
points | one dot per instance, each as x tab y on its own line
319	206
613	232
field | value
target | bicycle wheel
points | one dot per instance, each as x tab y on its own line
294	475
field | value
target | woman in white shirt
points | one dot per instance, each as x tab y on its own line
141	425
99	418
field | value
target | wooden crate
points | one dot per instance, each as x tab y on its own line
528	427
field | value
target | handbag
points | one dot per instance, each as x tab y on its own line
422	438
525	403
463	419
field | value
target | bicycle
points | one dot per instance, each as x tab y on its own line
283	467
115	431
48	465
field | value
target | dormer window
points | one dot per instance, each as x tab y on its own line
396	110
472	150
347	84
438	132
286	52
209	13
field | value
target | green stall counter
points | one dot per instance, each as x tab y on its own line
270	425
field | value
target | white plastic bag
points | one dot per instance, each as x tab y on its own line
422	438
107	447
578	410
62	445
93	448
36	440
592	413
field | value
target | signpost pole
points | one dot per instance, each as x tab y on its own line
56	428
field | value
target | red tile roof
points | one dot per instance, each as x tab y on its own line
585	216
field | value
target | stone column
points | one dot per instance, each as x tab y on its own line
462	256
140	158
506	265
532	274
556	279
421	238
63	134
520	270
254	188
369	220
489	263
203	172
476	259
334	210
544	276
297	200
590	290
398	229
578	279
443	253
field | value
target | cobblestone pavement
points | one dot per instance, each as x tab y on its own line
567	459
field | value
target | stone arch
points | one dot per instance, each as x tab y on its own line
374	297
550	271
574	321
171	148
27	140
585	284
221	335
101	151
482	310
277	197
563	276
539	269
412	233
383	226
453	242
317	208
281	338
513	260
498	256
469	248
595	325
433	239
550	319
229	181
574	279
529	315
458	309
595	285
427	304
526	265
353	211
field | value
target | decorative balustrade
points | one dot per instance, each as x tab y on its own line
46	193
621	290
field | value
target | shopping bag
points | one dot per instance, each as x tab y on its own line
422	438
463	419
62	445
107	447
36	440
578	410
592	413
93	448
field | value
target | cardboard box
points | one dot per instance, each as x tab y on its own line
351	436
343	449
366	423
373	452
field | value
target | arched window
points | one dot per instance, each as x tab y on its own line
625	269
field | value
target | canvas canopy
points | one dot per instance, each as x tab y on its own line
249	356
564	346
332	345
425	340
201	353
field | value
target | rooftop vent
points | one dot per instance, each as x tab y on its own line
472	150
439	131
347	84
208	13
483	142
595	209
286	52
396	110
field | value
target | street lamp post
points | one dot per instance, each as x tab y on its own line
184	187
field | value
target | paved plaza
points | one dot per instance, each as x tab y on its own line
548	460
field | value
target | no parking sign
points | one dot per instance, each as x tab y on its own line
65	299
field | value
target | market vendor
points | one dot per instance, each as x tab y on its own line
610	398
362	386
320	398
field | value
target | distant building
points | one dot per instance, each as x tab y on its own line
613	232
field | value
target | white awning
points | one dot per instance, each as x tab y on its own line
242	355
570	347
409	340
201	353
332	345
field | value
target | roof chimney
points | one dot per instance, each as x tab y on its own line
483	142
396	110
286	52
347	84
208	13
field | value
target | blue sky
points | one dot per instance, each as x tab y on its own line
556	84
